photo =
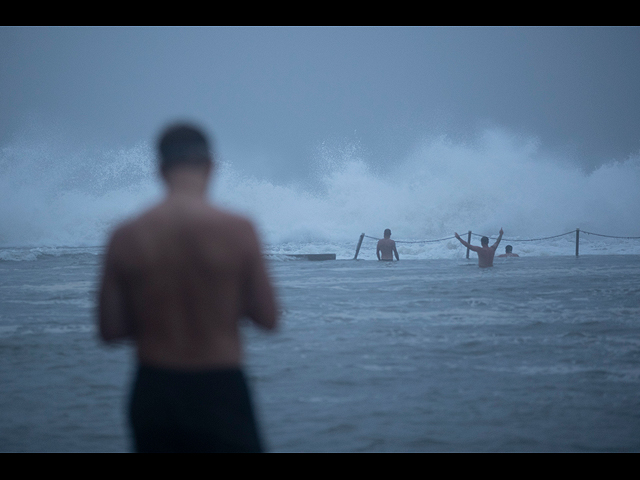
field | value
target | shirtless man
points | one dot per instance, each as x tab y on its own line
485	252
508	252
387	247
176	281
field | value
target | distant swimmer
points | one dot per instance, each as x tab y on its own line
508	249
485	252
387	248
177	281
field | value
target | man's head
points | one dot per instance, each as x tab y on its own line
387	233
183	145
508	248
484	241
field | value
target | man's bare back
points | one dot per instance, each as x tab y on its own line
386	247
485	252
183	274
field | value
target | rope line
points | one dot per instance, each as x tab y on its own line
508	239
601	235
417	241
529	239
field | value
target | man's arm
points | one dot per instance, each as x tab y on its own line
466	244
112	313
378	250
261	302
395	250
495	245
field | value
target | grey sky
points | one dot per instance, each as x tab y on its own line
271	96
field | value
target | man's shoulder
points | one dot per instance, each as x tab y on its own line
233	227
230	223
133	223
129	228
193	216
160	221
124	231
232	217
124	242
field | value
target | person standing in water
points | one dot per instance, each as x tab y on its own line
485	252
176	281
508	252
387	248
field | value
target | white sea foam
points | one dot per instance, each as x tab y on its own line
52	196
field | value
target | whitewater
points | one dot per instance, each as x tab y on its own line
54	196
539	353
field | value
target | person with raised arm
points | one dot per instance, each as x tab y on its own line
485	252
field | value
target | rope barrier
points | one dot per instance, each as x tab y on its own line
608	236
576	231
417	241
530	239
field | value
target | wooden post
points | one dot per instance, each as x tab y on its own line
468	241
358	247
577	241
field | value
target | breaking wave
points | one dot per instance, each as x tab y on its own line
53	195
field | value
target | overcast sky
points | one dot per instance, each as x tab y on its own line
274	95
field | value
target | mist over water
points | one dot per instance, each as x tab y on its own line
55	195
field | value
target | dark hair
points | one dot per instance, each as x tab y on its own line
387	231
484	240
183	144
508	248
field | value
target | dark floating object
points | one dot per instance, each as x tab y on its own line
314	257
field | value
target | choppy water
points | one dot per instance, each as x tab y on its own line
537	354
428	354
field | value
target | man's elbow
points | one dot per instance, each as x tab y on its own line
110	333
271	323
270	319
108	337
263	313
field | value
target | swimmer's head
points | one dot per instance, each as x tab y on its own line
182	144
508	248
387	233
484	240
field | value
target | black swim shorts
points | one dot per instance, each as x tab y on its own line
184	411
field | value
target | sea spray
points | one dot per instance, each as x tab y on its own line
50	197
53	196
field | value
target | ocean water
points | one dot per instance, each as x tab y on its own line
539	353
536	354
